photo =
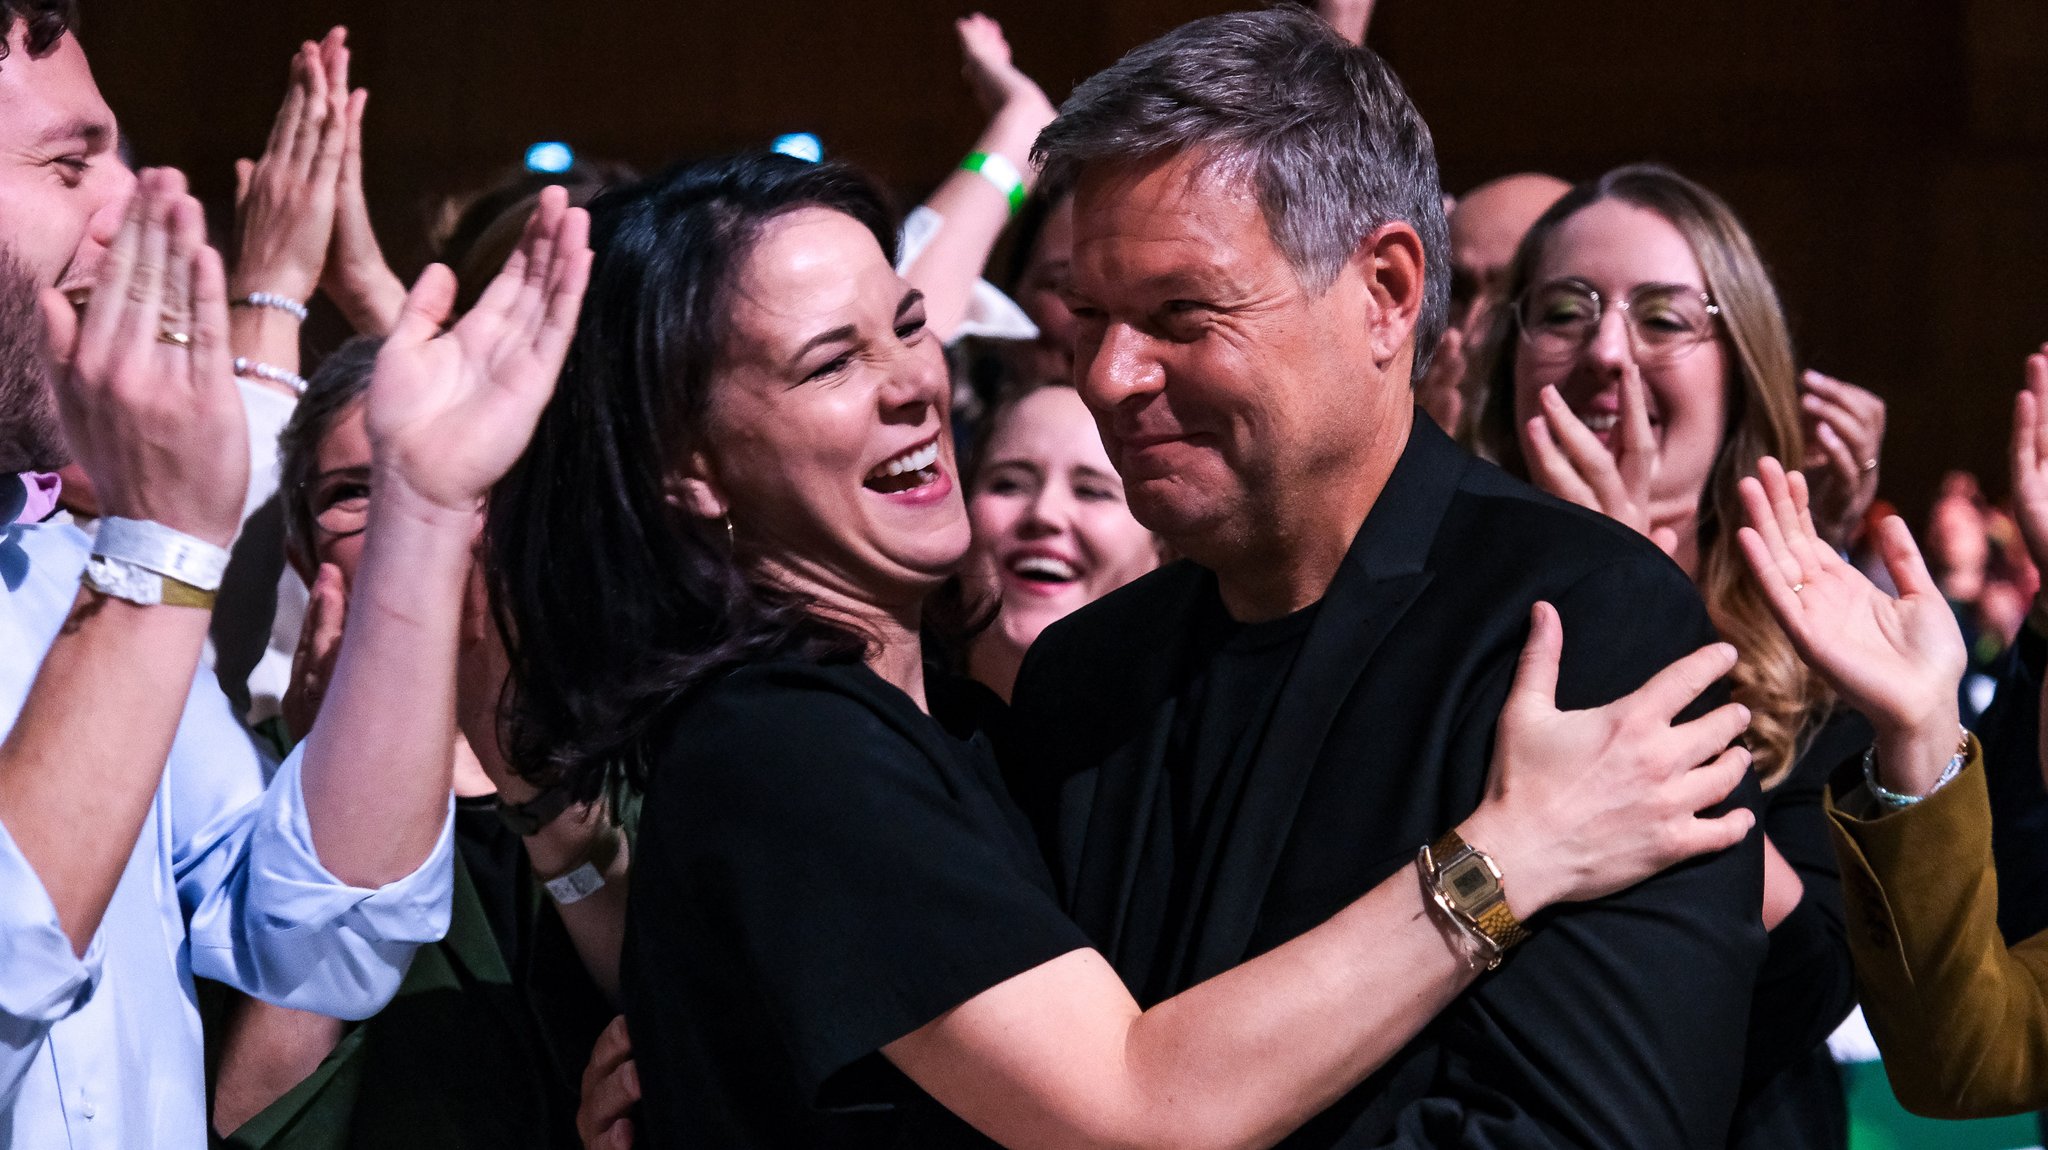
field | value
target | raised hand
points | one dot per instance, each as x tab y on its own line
1844	434
319	643
357	279
985	62
1441	390
450	412
1566	459
2030	458
284	201
1581	804
1348	17
1896	660
144	381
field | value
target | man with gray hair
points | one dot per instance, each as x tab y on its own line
1222	755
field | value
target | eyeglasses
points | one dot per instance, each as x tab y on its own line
340	502
1559	318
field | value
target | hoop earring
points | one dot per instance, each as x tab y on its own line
731	543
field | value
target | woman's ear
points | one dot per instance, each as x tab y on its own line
694	492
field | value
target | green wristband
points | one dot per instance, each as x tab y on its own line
998	170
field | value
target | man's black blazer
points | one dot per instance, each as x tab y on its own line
1621	1023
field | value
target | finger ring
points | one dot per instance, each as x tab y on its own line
175	338
1870	464
1798	587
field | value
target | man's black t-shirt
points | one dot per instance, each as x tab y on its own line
1216	732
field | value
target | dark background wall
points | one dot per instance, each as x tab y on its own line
1891	157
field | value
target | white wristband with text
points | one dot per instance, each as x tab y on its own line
164	550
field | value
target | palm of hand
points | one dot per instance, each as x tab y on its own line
1886	653
450	415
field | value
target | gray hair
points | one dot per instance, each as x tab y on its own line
341	379
1329	137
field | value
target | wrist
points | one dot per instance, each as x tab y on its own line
1910	759
290	284
403	502
1527	876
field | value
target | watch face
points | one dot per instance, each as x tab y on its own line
1470	881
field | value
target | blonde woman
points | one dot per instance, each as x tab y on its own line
1642	371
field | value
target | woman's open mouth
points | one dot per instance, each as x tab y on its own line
918	467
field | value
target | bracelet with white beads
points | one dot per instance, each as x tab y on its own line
252	369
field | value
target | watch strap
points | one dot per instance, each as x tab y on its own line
526	819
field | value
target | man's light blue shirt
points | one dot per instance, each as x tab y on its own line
223	883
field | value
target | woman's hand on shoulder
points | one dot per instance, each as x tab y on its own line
1581	804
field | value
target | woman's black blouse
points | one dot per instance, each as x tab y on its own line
821	869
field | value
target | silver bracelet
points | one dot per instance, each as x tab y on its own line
276	302
1894	800
249	368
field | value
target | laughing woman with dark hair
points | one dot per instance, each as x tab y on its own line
712	567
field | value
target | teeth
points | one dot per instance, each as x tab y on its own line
916	460
1601	421
78	297
1045	567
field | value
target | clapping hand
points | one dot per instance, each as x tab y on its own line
2030	458
450	411
319	643
1844	433
357	279
284	201
1896	660
1566	459
143	379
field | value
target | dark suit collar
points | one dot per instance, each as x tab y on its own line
1399	531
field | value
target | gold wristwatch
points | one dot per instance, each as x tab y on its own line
1465	884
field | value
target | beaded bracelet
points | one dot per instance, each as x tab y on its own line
1897	801
276	302
249	368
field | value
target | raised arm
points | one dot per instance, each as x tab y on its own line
1349	17
157	425
1962	1019
284	214
448	413
972	207
357	278
1580	804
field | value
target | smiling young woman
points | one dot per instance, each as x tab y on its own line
1642	371
1052	532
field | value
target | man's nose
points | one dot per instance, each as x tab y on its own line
1120	369
113	188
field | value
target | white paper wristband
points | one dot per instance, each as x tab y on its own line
155	547
577	885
